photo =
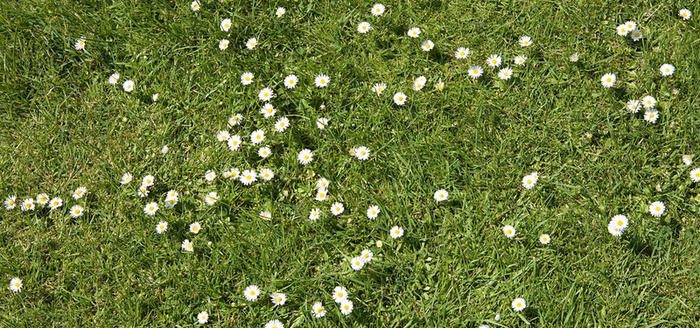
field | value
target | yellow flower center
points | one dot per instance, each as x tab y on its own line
340	294
667	70
265	94
374	212
508	231
623	30
658	208
400	98
306	156
150	208
252	292
609	80
462	53
505	73
321	195
196	229
525	42
319	310
257	137
247	78
357	262
529	181
619	222
323	81
346	306
651	115
291	81
494	61
54	203
364	27
418	85
248	177
475	71
519	304
226	25
544	239
396	232
17	284
80	191
269	110
697	175
278	299
29	205
161	227
378	10
189	246
172	201
379	89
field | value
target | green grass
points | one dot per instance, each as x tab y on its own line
63	126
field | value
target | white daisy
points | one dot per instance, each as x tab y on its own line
170	202
126	178
257	136
248	177
148	180
574	57
251	43
608	80
282	124
520	60
313	215
195	5
346	307
633	105
649	102
373	212
223	44
505	73
340	294
440	86
55	203
321	122
419	83
622	30
280	11
42	199
291	81
28	204
318	310
195	227
150	208
79	192
614	230
267	174
379	88
223	135
322	183
16	285
321	194
234	142
203	317
509	231
234	174
631	25
337	208
266	94
399	98
278	298
357	263
143	191
462	53
525	41
518	304
114	78
225	25
544	239
10	202
651	116
265	215
211	198
367	255
687	159
235	120
305	156
247	78
264	152
441	195
274	324
128	85
657	209
364	27
76	211
155	97
80	44
620	221
636	35
251	293
396	232
475	72
685	14
379	243
427	45
210	175
378	9
529	181
414	32
494	61
667	69
322	80
362	153
695	175
161	227
187	245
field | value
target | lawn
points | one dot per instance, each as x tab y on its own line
63	125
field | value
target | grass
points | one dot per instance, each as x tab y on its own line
63	126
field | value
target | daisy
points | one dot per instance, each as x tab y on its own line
291	81
267	174
225	25
633	106
379	243
282	124
16	285
337	208
313	216
614	230
257	136
247	78
362	153
151	208
76	211
378	88
544	239
264	152
620	221
685	14
148	180
505	73
440	85
251	293
195	227
367	256
318	310
622	30
636	35
427	45
28	204
42	199
143	191
321	122
399	98
419	83
203	317
687	159
529	181
509	231
170	202
80	44
588	135
441	195
322	183
346	307
278	298
126	178
235	120
155	97
494	61
128	85
651	116
195	5
223	44
280	11
210	175
114	78
305	156
462	53
340	294
353	151
378	9
695	175
364	27
234	173
251	43
223	135
234	142
322	80
520	60
475	72
211	198
518	304
574	57
10	202
266	94
631	25
373	212
187	245
55	203
667	69
162	227
608	80
274	324
357	263
649	102
79	192
248	177
414	32
322	194
525	41
657	209
396	232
